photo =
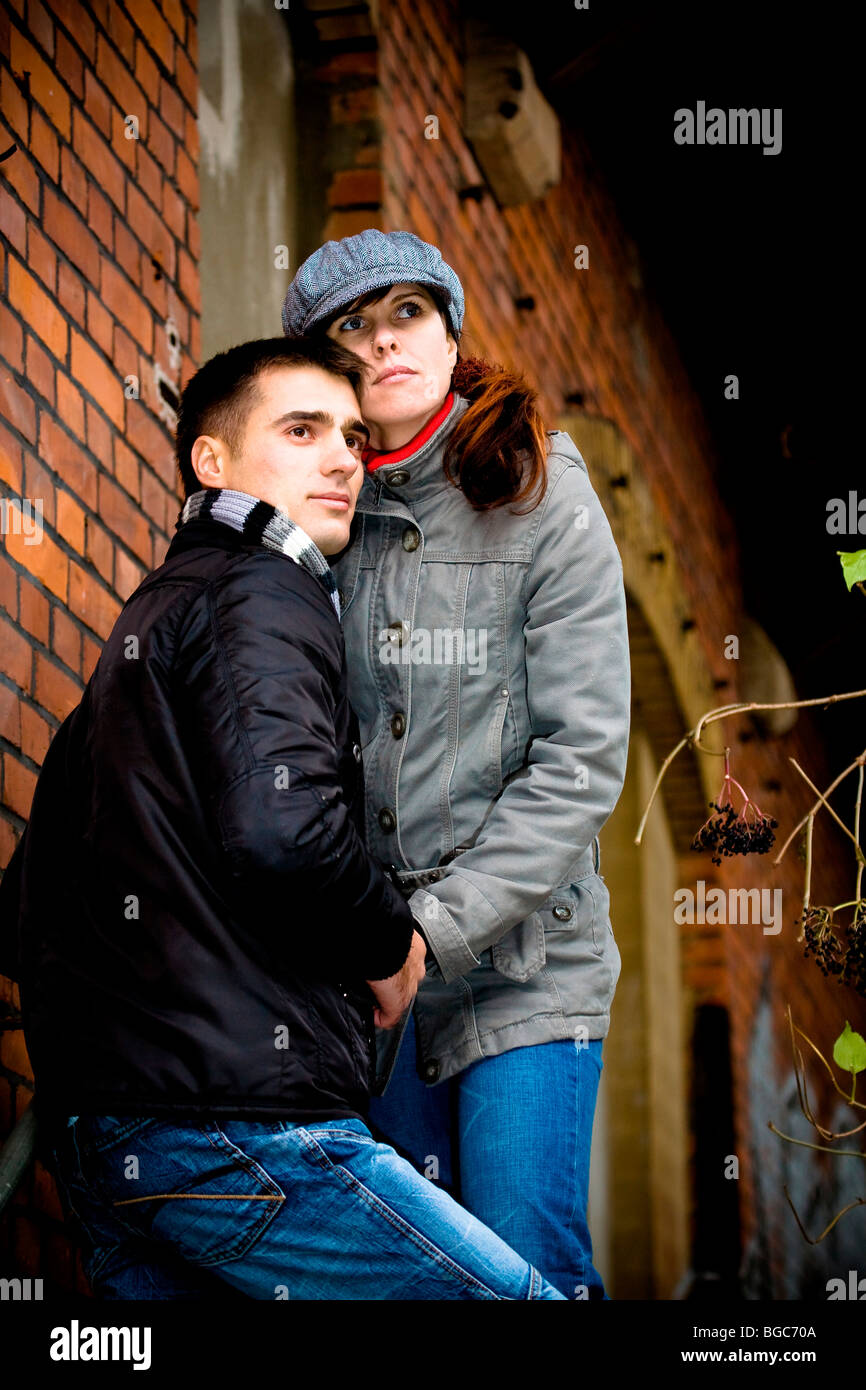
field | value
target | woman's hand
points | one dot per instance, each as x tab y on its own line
395	994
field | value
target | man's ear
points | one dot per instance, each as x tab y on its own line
209	457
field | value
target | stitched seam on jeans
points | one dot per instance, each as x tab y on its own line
393	1218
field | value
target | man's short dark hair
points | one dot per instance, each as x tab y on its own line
219	398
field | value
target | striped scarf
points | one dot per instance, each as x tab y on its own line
261	524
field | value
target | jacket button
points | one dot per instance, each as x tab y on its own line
562	914
356	752
397	478
411	538
387	819
396	632
398	724
431	1070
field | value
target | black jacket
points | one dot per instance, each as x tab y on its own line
191	912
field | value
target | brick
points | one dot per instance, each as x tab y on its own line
100	217
127	469
187	179
173	11
151	441
127	573
100	161
100	324
16	654
69	65
98	378
66	640
36	733
37	309
187	79
160	143
71	292
70	521
16	406
123	142
188	280
171	108
40	370
21	174
153	284
119	81
126	251
8	589
70	405
56	690
12	339
173	211
151	24
45	561
14	106
39	487
126	357
10	459
100	436
79	24
45	86
68	460
127	306
73	179
43	145
151	231
351	187
97	103
34	611
41	257
121	515
146	71
191	138
99	549
13	221
93	604
10	715
149	175
69	233
194	237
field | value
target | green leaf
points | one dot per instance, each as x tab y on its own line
849	1050
853	566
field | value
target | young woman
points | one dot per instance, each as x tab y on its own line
485	624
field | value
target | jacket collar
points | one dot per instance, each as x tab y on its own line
413	475
254	522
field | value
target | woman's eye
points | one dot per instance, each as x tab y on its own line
411	304
350	324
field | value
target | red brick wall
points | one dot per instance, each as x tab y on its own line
99	250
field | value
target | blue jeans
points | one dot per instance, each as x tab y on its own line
509	1137
270	1211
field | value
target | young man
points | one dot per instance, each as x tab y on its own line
202	941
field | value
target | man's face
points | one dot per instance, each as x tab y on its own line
301	452
410	356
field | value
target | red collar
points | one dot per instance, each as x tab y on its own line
373	459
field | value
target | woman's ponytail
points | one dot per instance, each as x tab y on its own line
497	452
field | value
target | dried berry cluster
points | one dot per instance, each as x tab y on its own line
728	832
848	961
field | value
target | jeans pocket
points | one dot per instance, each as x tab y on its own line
189	1186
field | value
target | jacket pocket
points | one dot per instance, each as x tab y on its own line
521	952
492	777
579	910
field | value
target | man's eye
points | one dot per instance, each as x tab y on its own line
304	429
355	441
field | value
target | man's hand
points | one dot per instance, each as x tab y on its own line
395	994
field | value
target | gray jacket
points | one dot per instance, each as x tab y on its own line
489	667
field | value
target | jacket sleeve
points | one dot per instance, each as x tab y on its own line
578	690
257	671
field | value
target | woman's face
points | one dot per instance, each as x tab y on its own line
409	355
